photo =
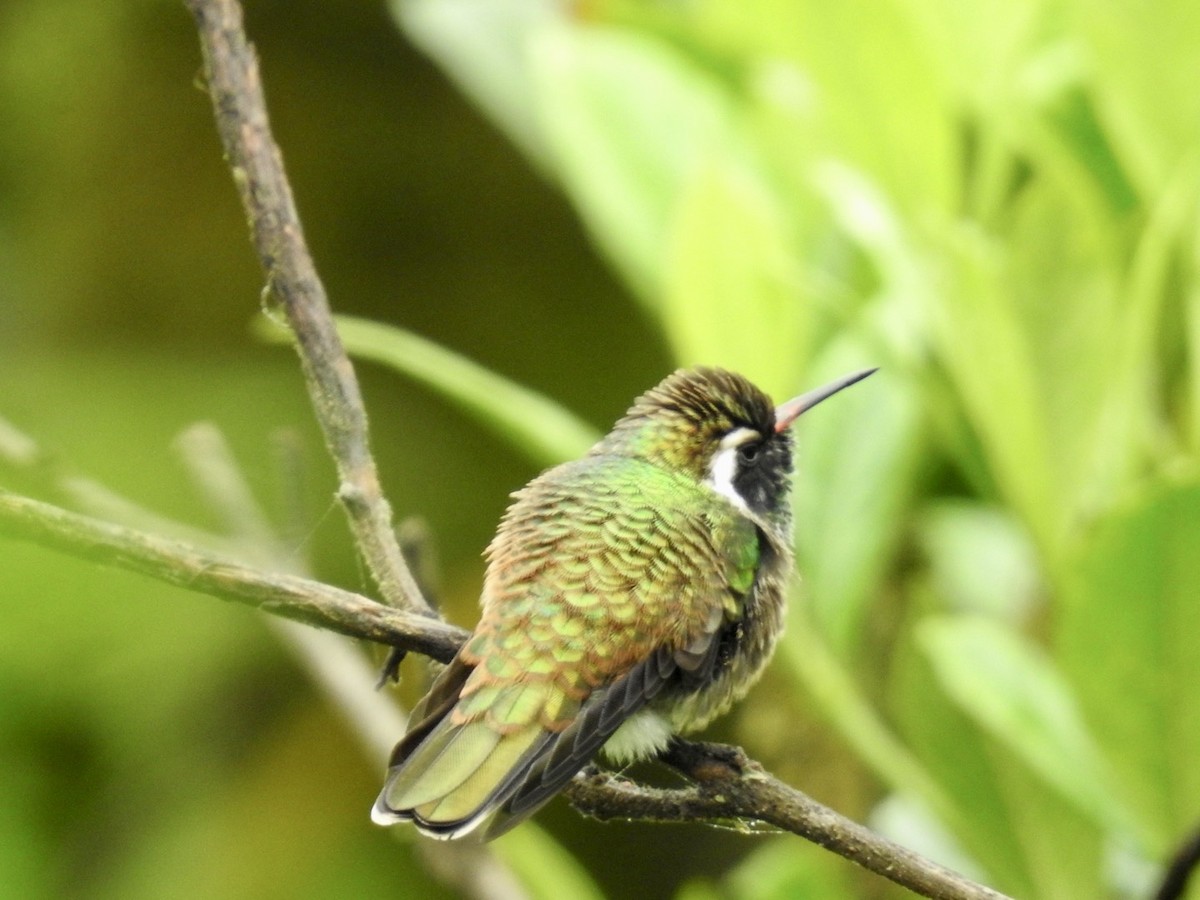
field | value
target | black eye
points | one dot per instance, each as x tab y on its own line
748	453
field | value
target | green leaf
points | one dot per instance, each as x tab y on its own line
1017	695
781	870
1073	117
484	48
911	826
537	426
733	293
836	694
1151	284
1090	327
875	101
1145	80
1034	842
1051	346
954	751
980	560
628	120
857	458
544	867
1191	388
1128	643
990	363
1064	848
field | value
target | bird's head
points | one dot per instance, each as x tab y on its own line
718	428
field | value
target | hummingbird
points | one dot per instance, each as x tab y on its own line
630	595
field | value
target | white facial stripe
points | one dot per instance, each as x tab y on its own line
723	467
720	477
738	436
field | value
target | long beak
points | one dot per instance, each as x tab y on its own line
786	413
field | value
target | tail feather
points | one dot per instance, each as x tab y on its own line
501	751
459	773
477	796
449	757
432	708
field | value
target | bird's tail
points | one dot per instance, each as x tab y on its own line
488	754
458	772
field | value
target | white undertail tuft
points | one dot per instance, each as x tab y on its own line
644	735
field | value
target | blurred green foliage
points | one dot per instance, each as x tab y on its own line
992	655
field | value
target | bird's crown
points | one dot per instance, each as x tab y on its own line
681	422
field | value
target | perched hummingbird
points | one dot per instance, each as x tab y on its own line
630	595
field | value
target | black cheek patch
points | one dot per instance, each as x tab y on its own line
764	484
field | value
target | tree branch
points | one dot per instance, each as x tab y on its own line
188	567
231	71
731	786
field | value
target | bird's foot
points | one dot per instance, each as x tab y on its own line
391	667
705	762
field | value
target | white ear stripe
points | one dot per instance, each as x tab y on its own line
724	466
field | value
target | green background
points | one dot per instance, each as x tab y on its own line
992	656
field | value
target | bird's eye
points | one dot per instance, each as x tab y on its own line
748	453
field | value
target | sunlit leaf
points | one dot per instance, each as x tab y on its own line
980	560
732	294
899	819
877	103
781	870
1016	694
1074	119
954	750
1001	800
628	120
1144	81
1127	641
534	424
1088	339
1170	233
544	867
992	367
856	460
836	695
1192	386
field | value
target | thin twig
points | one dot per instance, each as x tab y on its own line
337	667
1179	871
48	475
224	489
186	566
231	70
